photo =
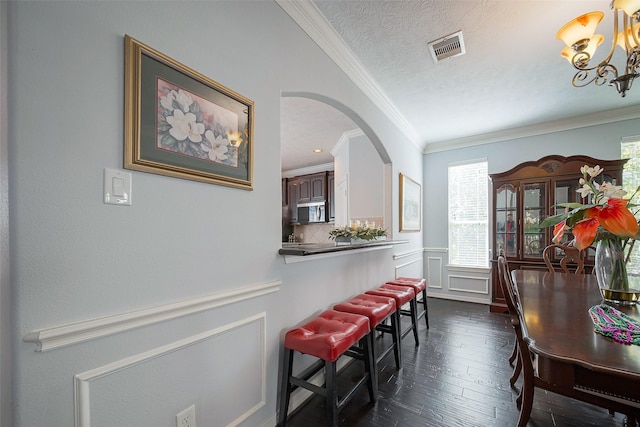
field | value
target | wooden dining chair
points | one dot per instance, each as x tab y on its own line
571	262
502	268
525	361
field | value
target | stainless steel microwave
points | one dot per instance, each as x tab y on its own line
309	213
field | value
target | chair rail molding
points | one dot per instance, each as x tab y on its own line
408	253
74	333
443	250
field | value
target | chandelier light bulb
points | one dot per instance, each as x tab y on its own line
629	37
630	7
577	32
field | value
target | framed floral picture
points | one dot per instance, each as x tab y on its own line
410	204
181	123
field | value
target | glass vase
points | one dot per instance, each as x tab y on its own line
611	272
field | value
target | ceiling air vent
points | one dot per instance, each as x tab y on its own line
446	47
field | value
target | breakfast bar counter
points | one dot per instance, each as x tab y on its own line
305	249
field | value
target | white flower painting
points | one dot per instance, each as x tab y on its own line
192	126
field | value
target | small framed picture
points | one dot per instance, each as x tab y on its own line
182	124
410	204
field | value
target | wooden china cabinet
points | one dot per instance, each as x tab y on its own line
524	196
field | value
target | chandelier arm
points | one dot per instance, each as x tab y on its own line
614	38
634	34
633	61
580	61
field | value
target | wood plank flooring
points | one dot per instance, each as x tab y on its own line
458	376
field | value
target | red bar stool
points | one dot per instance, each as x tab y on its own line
402	295
419	286
327	337
377	309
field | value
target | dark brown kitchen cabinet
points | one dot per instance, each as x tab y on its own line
523	197
307	189
304	189
318	185
293	186
312	188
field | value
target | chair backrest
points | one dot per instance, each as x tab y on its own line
507	286
572	262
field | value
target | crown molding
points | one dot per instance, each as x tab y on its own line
307	170
576	122
345	138
312	21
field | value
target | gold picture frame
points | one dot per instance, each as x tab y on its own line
410	204
182	124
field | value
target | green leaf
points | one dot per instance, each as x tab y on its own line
550	221
571	205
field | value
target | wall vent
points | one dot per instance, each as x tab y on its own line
446	47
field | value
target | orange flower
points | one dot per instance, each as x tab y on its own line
585	231
558	231
614	216
617	218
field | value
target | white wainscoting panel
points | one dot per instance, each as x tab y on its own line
476	285
409	269
74	333
105	393
434	272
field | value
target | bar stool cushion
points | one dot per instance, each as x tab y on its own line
401	294
375	307
418	285
328	335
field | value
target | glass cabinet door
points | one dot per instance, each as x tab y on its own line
565	192
507	219
534	208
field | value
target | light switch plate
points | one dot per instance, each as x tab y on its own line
117	187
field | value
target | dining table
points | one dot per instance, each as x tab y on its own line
568	356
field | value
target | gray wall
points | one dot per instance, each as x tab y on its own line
601	142
195	264
366	180
5	283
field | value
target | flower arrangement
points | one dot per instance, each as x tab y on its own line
363	233
607	216
607	220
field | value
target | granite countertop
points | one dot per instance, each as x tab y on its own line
304	249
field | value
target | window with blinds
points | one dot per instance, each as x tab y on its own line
468	214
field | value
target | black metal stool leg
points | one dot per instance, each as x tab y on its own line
370	368
426	308
397	339
285	387
414	319
331	393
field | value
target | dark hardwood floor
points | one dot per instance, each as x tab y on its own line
458	376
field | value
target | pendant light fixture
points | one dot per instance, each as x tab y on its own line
582	43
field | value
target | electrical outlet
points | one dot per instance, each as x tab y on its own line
187	418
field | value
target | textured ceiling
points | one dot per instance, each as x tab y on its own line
511	76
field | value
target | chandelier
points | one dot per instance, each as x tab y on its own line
582	43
